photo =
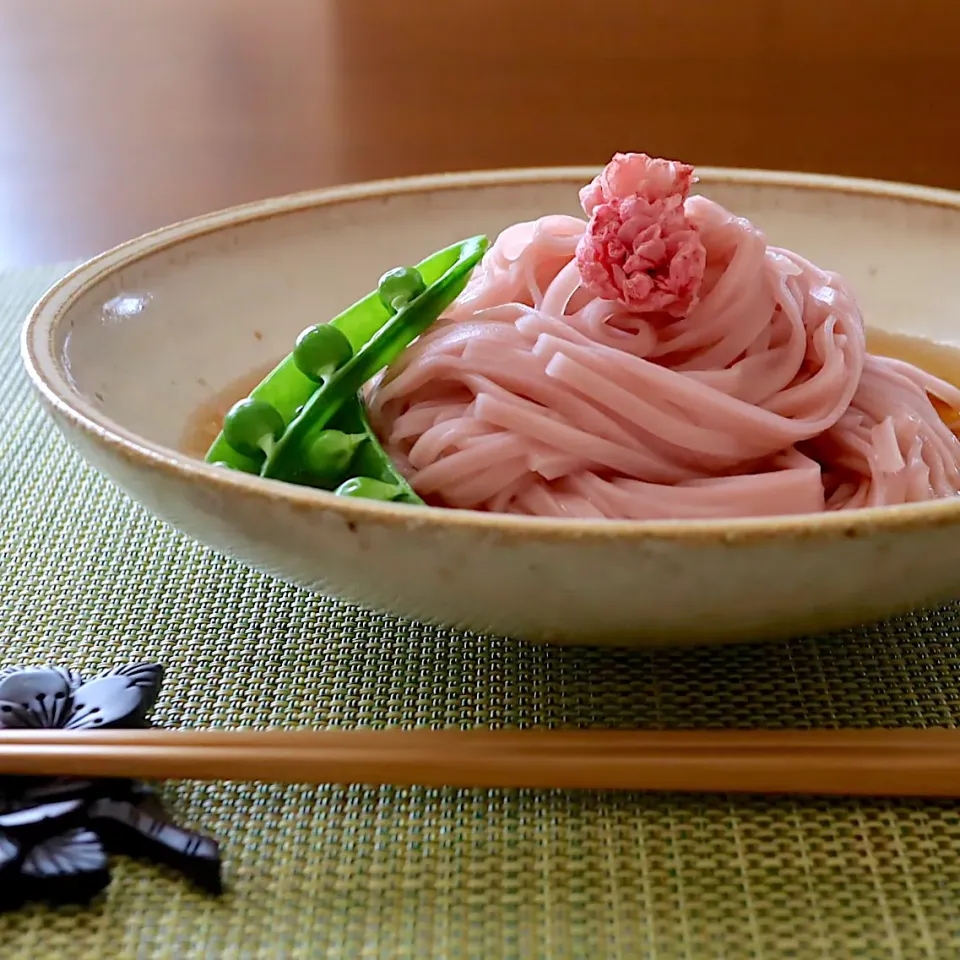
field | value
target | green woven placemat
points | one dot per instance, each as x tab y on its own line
88	578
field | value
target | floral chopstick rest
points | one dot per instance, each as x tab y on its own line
56	833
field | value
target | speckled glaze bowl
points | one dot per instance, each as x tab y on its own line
125	349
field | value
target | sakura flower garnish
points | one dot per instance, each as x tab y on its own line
640	248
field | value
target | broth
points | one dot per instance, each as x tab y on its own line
205	422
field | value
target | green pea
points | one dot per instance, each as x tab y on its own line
369	489
328	456
252	426
399	286
321	351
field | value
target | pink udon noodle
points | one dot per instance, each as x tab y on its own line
658	360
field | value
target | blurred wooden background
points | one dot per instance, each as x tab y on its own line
117	116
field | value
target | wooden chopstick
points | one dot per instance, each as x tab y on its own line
838	762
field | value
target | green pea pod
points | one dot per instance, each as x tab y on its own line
383	347
287	389
370	459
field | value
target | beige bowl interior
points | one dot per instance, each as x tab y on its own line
125	351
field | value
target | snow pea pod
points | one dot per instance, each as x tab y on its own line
306	422
386	344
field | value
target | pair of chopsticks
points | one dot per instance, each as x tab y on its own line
838	762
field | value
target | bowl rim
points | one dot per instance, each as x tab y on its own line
57	392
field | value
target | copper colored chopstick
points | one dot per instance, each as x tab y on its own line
839	762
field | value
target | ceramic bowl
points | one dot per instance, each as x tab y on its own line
125	349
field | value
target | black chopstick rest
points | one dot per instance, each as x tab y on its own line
126	827
56	833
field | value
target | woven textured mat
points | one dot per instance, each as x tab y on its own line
88	578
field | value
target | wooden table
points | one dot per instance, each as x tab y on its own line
119	116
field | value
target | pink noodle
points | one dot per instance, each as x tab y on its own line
657	361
